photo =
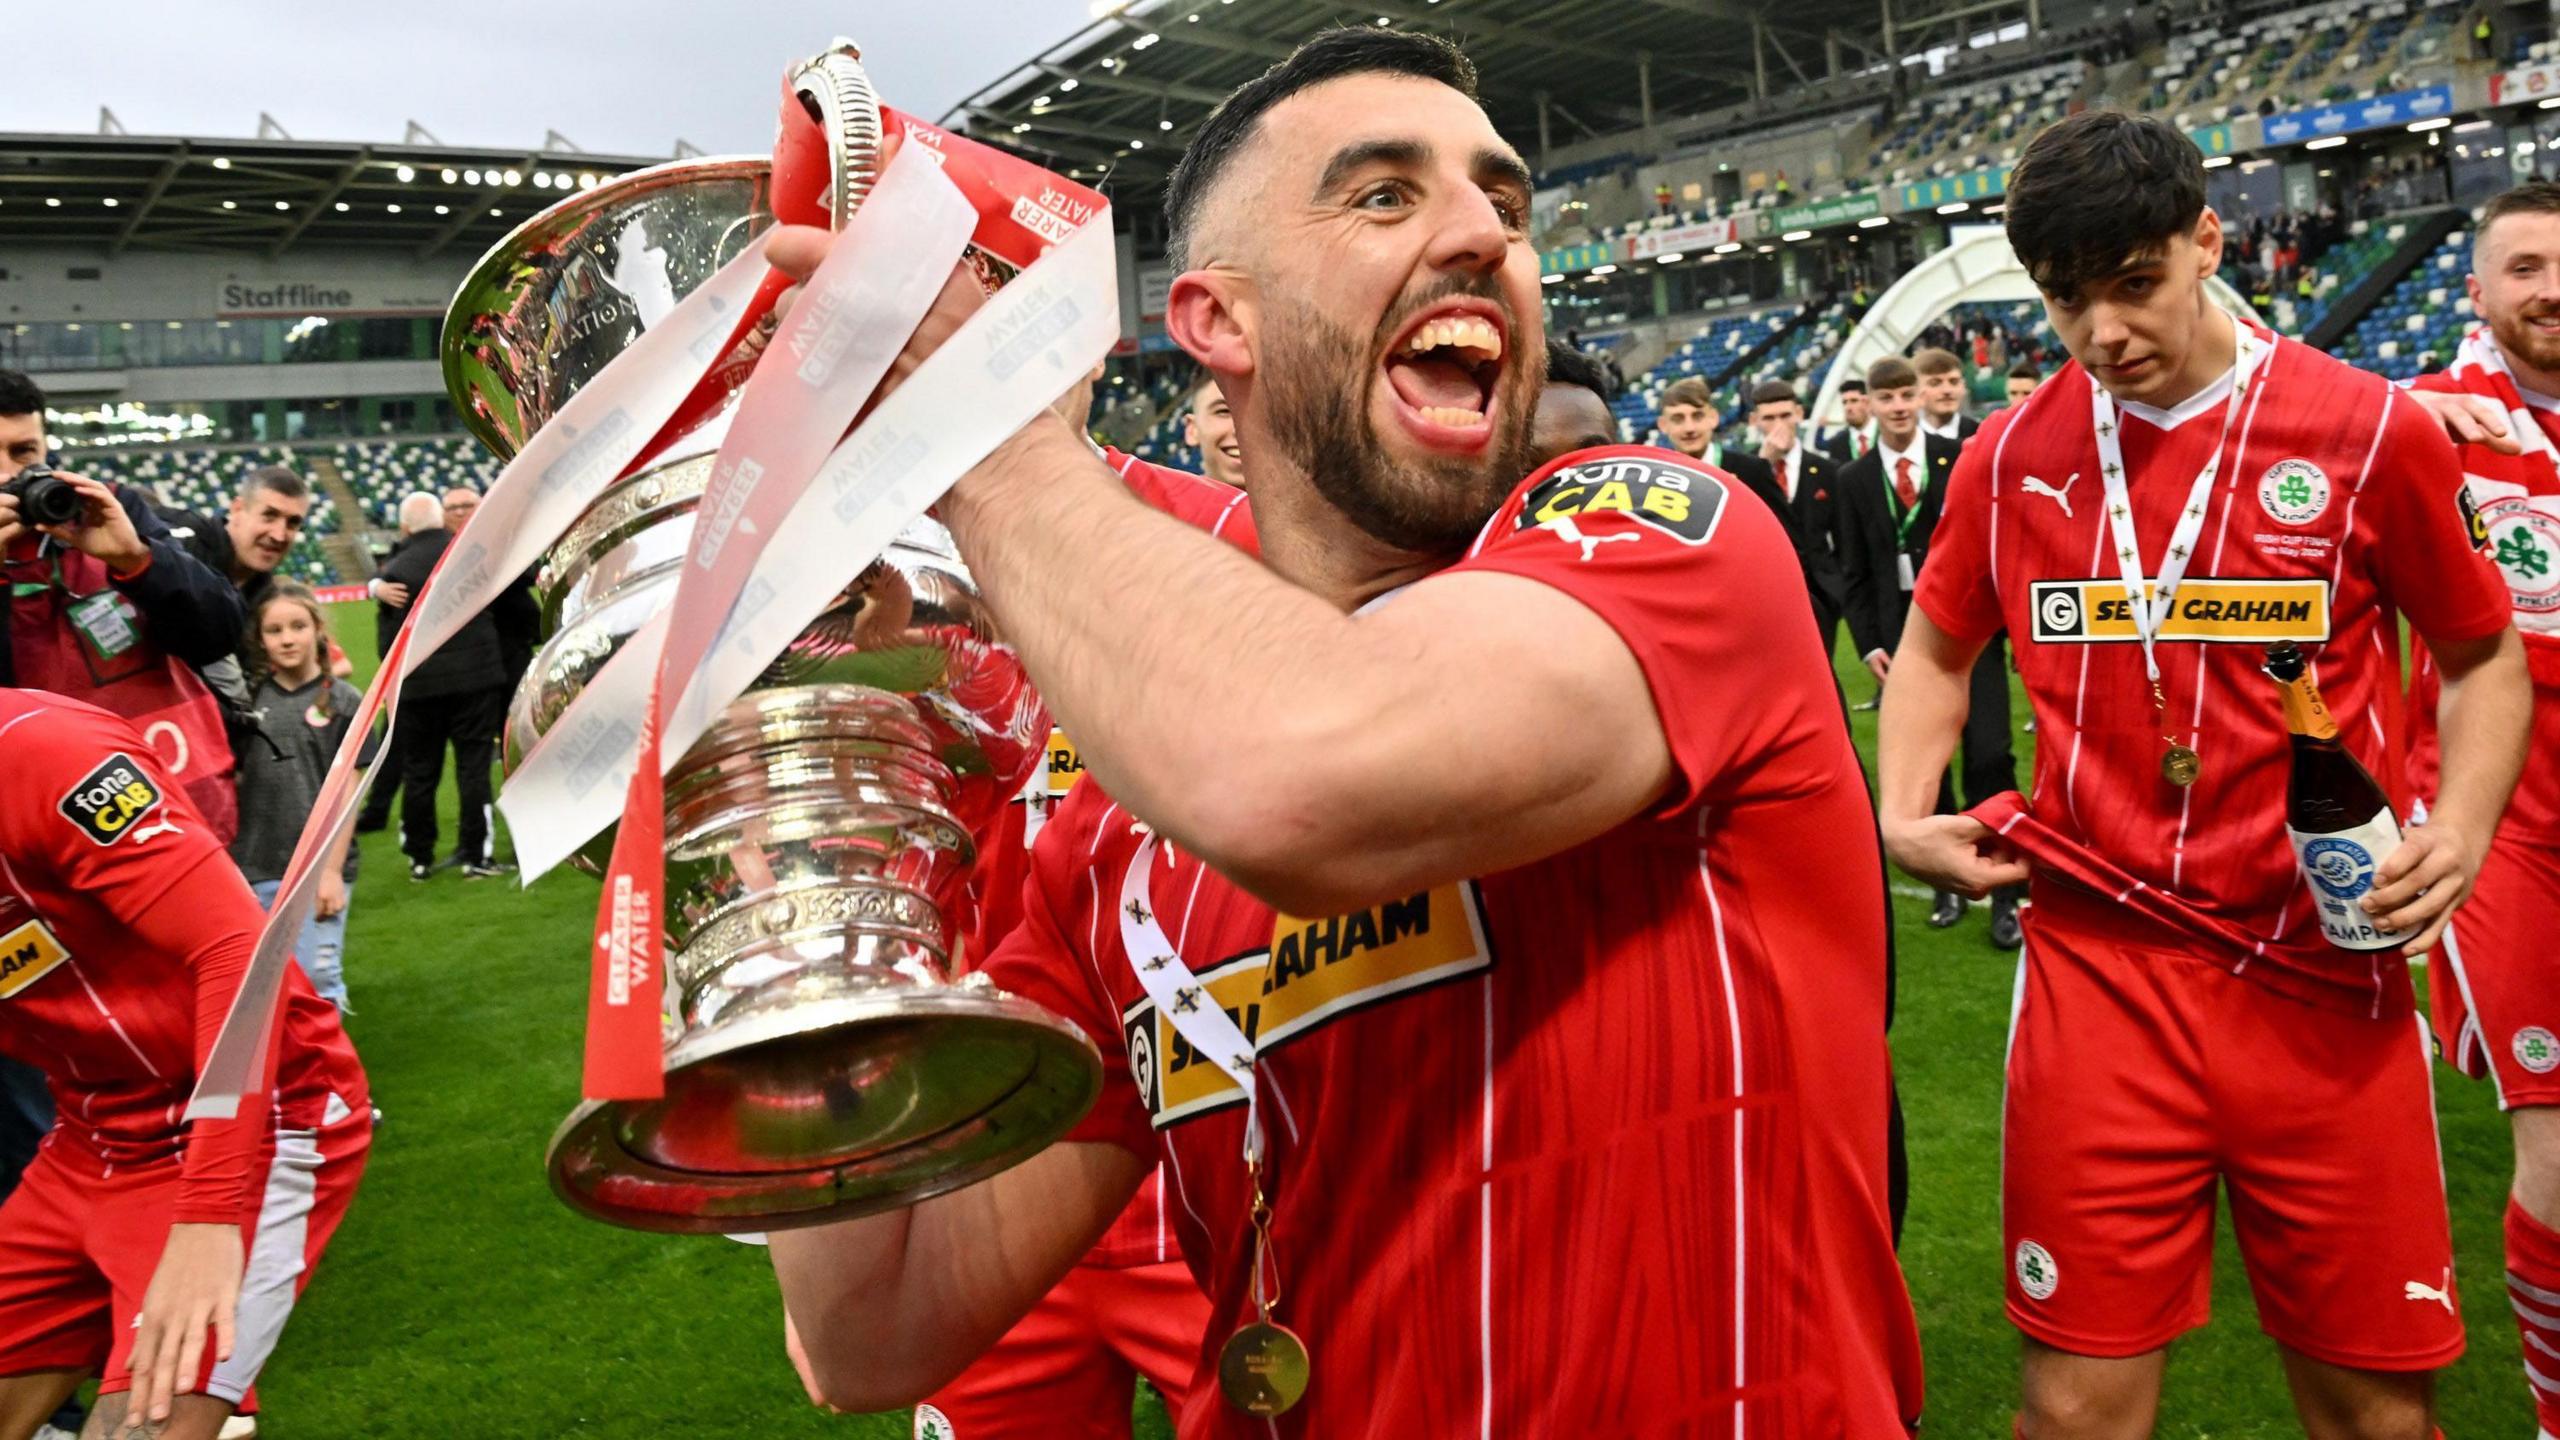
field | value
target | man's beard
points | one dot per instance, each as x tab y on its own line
2515	334
1430	506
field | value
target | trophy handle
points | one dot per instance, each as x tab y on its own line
833	87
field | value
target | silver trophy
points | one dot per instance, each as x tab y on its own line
824	1058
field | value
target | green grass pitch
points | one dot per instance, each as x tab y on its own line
462	1300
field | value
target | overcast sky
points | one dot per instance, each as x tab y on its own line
615	76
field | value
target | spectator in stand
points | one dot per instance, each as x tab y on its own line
1662	198
302	713
456	697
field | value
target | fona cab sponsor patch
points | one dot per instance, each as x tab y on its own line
109	799
28	954
1313	971
1674	499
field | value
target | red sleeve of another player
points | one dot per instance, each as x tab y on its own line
1039	962
1700	581
2422	540
1957	589
109	825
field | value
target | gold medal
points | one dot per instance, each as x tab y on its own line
1263	1369
2180	764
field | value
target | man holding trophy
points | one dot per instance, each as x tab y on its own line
1567	1019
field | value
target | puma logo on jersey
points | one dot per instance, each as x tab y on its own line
109	800
1571	534
162	826
2421	1290
27	954
2061	497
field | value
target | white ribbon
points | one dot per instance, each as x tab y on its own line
2152	610
534	500
999	370
1181	999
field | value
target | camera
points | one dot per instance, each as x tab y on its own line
44	498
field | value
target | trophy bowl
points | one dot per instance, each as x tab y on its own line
825	1056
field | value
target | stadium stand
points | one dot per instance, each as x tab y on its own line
381	471
2417	326
1974	127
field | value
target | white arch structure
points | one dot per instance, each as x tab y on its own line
1978	266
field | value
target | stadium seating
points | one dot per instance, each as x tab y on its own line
2346	262
1711	355
2418	325
202	482
381	471
1974	127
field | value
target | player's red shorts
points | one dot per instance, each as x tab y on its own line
1068	1370
2495	987
2137	1078
79	1240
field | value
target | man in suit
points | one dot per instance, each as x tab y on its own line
1855	435
1889	502
1942	396
2023	379
1689	421
1805	477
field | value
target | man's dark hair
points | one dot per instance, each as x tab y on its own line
1772	392
2098	191
20	395
2026	370
279	478
1853	387
1892	373
1330	55
1567	365
2533	197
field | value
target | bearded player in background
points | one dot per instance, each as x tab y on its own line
161	1257
1568	1006
2181	1019
2496	999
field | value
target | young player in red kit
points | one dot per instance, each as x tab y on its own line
2185	492
1549	1100
2495	996
124	931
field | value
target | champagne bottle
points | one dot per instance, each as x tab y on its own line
2338	818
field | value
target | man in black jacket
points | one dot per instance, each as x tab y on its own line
1804	476
1889	502
456	697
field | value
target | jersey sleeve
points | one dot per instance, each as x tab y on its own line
2423	550
91	806
106	823
1040	962
1957	589
1700	581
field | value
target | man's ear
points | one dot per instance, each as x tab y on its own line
1210	314
2208	238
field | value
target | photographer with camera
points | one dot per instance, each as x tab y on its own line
106	606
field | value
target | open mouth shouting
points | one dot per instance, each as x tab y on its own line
1445	373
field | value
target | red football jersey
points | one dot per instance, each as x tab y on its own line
92	836
2335	513
1196	500
2517	501
1592	1146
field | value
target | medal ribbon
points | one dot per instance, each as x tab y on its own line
2151	611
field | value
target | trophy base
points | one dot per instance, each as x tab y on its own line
823	1110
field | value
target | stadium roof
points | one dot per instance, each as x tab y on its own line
1123	94
265	197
